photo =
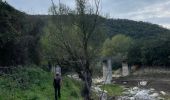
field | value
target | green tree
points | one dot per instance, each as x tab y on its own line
134	53
70	34
118	45
155	51
117	48
19	39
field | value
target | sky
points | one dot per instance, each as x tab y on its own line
153	11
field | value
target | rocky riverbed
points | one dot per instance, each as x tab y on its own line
137	93
140	92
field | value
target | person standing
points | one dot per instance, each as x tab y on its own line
57	85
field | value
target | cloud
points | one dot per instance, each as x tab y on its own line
36	6
125	6
154	11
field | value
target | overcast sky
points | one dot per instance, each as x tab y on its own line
154	11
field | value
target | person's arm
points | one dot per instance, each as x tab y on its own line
60	81
54	82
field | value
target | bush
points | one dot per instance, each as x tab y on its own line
33	83
113	90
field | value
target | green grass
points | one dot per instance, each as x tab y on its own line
33	83
112	89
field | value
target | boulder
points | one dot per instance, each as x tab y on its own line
143	95
154	95
163	93
143	83
135	88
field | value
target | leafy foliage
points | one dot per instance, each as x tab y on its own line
19	39
118	45
113	90
33	83
153	51
134	29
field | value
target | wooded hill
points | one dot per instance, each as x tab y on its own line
20	34
135	29
19	37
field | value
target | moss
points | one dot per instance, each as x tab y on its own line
113	90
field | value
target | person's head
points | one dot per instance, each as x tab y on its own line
57	74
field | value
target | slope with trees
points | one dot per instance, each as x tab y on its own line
19	39
135	29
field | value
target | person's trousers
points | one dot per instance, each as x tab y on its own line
57	93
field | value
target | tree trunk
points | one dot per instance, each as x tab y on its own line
87	85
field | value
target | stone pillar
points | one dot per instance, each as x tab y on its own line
58	69
104	70
125	69
107	71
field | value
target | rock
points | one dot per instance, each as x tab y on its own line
163	93
97	89
99	85
132	98
123	98
124	82
97	80
116	76
113	82
143	83
105	91
154	95
135	88
125	93
160	98
69	76
142	95
152	89
137	93
133	92
125	88
103	96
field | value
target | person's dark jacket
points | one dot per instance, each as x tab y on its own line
57	82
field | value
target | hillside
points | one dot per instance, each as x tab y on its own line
135	29
19	37
31	46
20	34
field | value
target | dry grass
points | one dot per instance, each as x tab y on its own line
153	70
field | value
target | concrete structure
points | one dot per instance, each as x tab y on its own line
125	69
107	71
58	69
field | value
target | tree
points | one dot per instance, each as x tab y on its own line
19	39
72	32
155	51
118	45
117	48
150	51
134	53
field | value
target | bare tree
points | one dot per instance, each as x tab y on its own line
73	37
